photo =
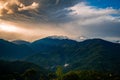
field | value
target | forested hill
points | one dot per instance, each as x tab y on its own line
49	52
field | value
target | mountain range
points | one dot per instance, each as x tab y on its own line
49	52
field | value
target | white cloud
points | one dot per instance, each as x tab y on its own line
93	22
90	14
83	10
33	6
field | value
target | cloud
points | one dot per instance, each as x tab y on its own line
57	2
63	17
38	10
93	22
14	6
87	13
28	32
84	10
33	6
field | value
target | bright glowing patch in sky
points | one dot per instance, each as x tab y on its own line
8	28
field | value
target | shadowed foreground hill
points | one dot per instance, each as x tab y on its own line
19	70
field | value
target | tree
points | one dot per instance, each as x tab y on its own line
30	74
59	73
71	76
52	76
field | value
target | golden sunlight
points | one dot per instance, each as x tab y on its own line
8	27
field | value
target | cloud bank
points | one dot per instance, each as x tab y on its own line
94	22
72	18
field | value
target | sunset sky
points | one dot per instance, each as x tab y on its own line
34	19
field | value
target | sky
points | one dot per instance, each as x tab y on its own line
77	19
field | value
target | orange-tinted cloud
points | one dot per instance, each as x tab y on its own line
12	6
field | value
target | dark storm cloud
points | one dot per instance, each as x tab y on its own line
36	10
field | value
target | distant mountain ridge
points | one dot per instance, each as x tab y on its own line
20	42
19	49
10	50
50	43
90	54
